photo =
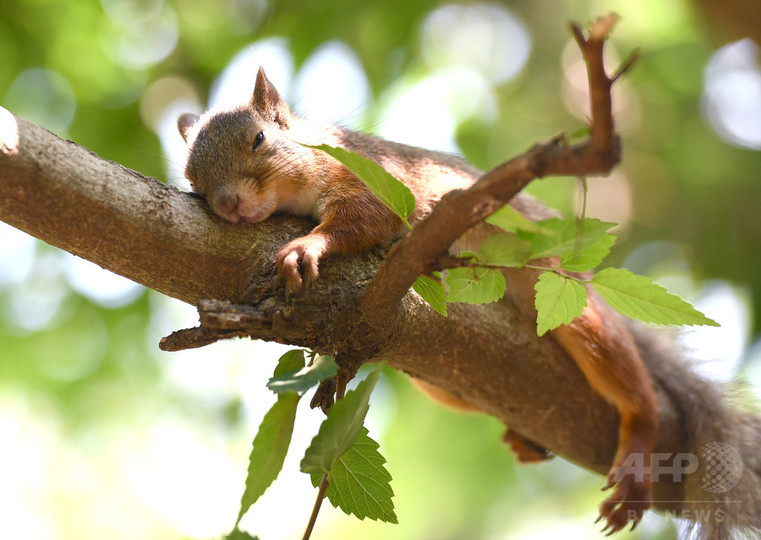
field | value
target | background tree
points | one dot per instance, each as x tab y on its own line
126	433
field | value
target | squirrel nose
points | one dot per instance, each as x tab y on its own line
224	202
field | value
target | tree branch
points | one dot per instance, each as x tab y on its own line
422	249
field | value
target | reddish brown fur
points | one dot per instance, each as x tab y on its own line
281	174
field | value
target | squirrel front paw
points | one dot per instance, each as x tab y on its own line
298	261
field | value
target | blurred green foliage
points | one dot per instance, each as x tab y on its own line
91	374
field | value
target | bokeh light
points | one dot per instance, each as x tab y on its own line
235	84
332	87
44	97
488	38
438	104
98	284
142	33
732	96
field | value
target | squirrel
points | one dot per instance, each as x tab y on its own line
245	162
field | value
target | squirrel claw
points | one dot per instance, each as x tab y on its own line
626	504
298	256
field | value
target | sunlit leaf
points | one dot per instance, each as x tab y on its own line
505	250
269	449
638	297
340	429
291	362
395	195
589	255
559	300
475	285
509	219
567	236
360	483
303	379
433	292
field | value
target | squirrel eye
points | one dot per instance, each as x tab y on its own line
258	141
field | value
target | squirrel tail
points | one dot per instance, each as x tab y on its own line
721	493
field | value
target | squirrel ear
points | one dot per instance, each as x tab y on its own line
185	122
267	102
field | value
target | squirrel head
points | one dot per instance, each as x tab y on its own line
241	160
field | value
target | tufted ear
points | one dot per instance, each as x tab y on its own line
267	101
185	123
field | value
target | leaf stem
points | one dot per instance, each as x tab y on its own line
324	483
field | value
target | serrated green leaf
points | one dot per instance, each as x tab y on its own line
588	256
639	298
559	300
269	449
505	250
340	429
359	483
433	292
291	362
395	195
509	219
475	285
305	378
566	236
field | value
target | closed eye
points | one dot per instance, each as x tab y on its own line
258	140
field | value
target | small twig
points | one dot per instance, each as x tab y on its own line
324	483
193	338
632	59
578	34
342	380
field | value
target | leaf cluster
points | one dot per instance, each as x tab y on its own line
342	450
560	250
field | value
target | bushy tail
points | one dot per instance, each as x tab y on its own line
722	496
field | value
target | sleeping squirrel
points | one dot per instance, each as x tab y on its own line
247	164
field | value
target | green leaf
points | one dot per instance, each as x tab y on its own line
291	362
269	449
638	297
359	483
433	292
475	285
301	380
395	195
340	429
505	250
559	300
567	236
470	255
509	219
588	256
